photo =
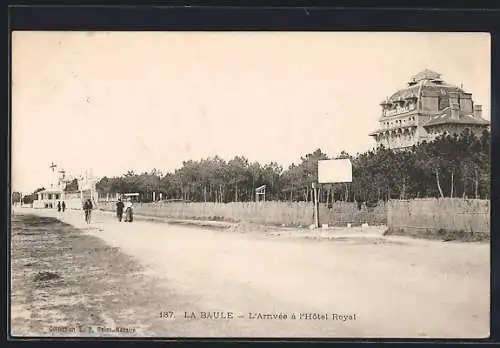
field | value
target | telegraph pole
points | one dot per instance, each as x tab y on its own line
53	166
316	205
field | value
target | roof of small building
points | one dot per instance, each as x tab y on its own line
444	117
51	190
261	188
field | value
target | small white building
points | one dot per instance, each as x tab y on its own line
48	198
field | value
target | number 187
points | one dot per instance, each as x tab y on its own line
167	315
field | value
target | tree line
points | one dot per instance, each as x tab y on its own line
449	166
25	199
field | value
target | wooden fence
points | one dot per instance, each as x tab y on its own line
429	216
272	213
418	217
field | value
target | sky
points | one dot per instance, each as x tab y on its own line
119	101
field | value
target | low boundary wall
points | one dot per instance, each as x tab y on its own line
440	217
269	213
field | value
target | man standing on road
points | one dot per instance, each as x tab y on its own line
119	209
63	205
87	207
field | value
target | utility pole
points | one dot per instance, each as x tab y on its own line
53	166
80	187
316	205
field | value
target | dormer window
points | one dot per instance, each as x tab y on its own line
443	102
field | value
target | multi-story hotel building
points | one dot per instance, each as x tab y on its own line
425	109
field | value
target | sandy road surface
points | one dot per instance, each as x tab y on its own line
399	288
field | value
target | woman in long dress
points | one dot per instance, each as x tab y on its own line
129	214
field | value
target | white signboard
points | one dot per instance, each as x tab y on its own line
334	171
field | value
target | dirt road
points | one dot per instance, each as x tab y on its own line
357	287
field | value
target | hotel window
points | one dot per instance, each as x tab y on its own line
443	102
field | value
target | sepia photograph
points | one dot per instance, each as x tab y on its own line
187	184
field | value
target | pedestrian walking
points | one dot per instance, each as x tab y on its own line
63	206
129	214
87	207
58	206
119	209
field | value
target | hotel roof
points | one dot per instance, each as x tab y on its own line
444	117
426	82
426	74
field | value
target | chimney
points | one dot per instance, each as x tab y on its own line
455	109
478	111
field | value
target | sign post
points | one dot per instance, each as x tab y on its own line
316	205
330	172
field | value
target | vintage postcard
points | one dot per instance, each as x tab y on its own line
250	184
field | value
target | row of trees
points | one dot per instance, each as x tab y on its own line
449	166
17	197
